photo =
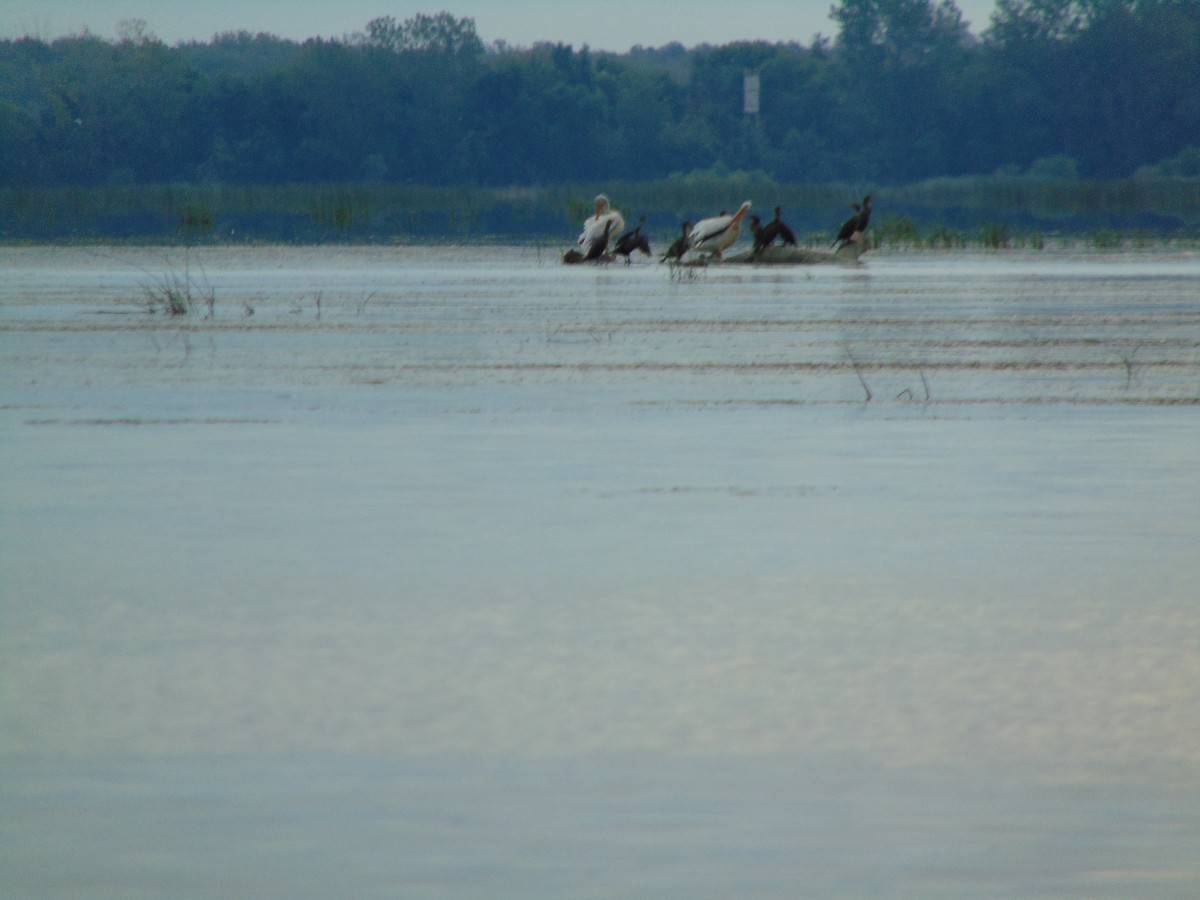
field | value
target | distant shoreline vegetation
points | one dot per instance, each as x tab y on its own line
991	211
1071	106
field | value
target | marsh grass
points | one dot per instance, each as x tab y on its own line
941	236
898	231
994	236
179	293
946	213
681	274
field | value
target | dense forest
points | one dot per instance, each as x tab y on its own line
1088	88
1061	90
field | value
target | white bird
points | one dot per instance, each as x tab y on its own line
719	232
598	227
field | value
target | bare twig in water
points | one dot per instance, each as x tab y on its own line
563	334
363	305
859	373
1127	361
908	393
679	272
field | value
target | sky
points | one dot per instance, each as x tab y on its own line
615	25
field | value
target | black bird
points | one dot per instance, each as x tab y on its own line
598	246
756	230
864	217
632	240
765	235
680	247
846	232
782	229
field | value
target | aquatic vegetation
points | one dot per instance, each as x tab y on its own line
944	237
178	293
899	231
680	273
994	236
942	213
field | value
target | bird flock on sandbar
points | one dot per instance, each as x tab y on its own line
703	241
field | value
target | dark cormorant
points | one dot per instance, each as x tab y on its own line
756	231
765	236
632	240
864	217
596	249
849	227
681	244
782	229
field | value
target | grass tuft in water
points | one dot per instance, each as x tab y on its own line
179	293
994	236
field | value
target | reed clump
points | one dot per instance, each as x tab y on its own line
945	238
941	213
179	293
898	231
994	236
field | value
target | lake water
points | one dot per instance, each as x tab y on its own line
455	572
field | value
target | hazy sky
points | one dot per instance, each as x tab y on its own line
605	25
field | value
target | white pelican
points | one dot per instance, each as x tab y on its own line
597	247
719	232
599	226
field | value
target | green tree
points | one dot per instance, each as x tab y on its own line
904	93
440	33
1138	66
1037	20
900	59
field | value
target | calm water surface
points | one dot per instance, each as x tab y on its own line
450	572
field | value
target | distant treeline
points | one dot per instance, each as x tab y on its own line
1069	90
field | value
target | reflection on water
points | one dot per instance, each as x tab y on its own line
456	571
